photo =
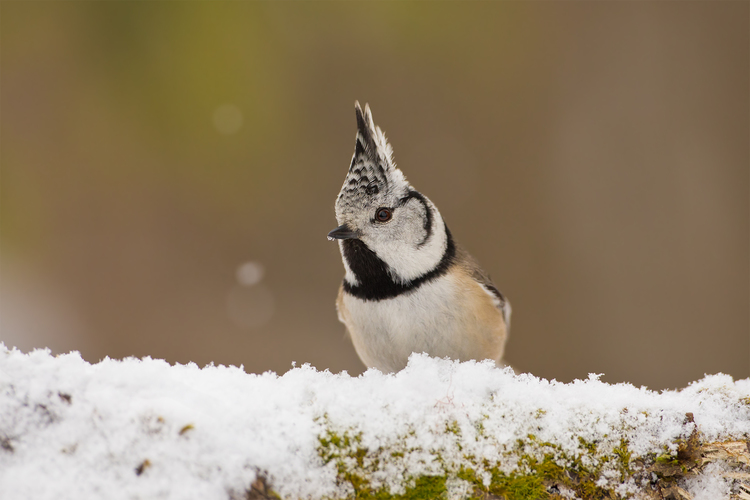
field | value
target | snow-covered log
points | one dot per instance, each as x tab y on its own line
438	429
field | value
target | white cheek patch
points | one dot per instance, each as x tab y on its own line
407	262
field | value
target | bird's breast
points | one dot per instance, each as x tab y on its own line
449	316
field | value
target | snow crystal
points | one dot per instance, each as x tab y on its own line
709	484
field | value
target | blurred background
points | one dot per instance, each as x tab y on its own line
168	174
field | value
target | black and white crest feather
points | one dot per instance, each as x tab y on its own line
372	172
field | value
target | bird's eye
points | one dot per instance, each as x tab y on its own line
383	214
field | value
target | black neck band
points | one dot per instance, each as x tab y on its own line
372	272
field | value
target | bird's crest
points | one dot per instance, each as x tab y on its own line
372	172
371	142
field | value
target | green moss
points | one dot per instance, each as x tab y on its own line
549	469
555	468
518	486
453	428
355	465
469	475
425	488
623	456
589	446
540	465
667	460
479	427
560	468
509	486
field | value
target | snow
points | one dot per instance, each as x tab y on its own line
141	428
709	485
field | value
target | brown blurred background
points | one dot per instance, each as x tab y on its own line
169	171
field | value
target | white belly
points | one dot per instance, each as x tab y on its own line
438	318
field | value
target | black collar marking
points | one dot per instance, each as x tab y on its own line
372	272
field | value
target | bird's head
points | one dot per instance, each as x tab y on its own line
379	208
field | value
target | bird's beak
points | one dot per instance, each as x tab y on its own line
342	233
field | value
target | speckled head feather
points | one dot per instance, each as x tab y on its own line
373	179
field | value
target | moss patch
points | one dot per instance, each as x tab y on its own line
543	470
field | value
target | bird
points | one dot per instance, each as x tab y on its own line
408	287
